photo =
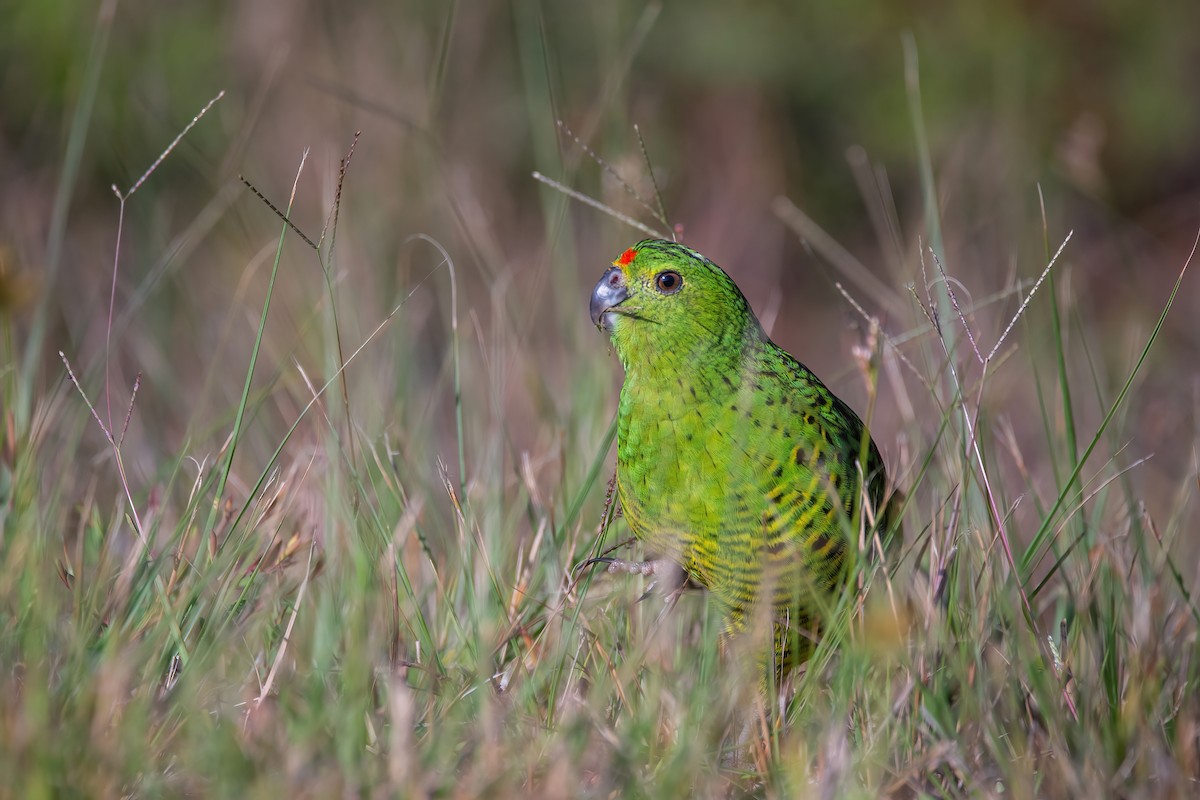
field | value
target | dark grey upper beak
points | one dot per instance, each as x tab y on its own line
609	292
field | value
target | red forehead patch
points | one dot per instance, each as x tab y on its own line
626	257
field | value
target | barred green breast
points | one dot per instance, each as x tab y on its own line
733	459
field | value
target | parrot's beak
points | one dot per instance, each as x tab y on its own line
609	293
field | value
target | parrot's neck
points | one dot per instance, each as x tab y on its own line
663	362
670	382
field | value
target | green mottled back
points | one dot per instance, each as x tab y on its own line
733	459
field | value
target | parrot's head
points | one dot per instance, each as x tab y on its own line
663	300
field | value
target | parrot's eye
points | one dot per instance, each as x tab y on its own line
668	281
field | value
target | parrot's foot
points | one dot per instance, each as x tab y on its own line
652	567
662	571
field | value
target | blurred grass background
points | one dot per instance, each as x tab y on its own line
1097	103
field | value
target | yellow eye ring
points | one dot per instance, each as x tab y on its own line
668	281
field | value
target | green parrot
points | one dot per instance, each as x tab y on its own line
734	461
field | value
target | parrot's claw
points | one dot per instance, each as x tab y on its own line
592	562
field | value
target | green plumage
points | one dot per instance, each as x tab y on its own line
733	459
